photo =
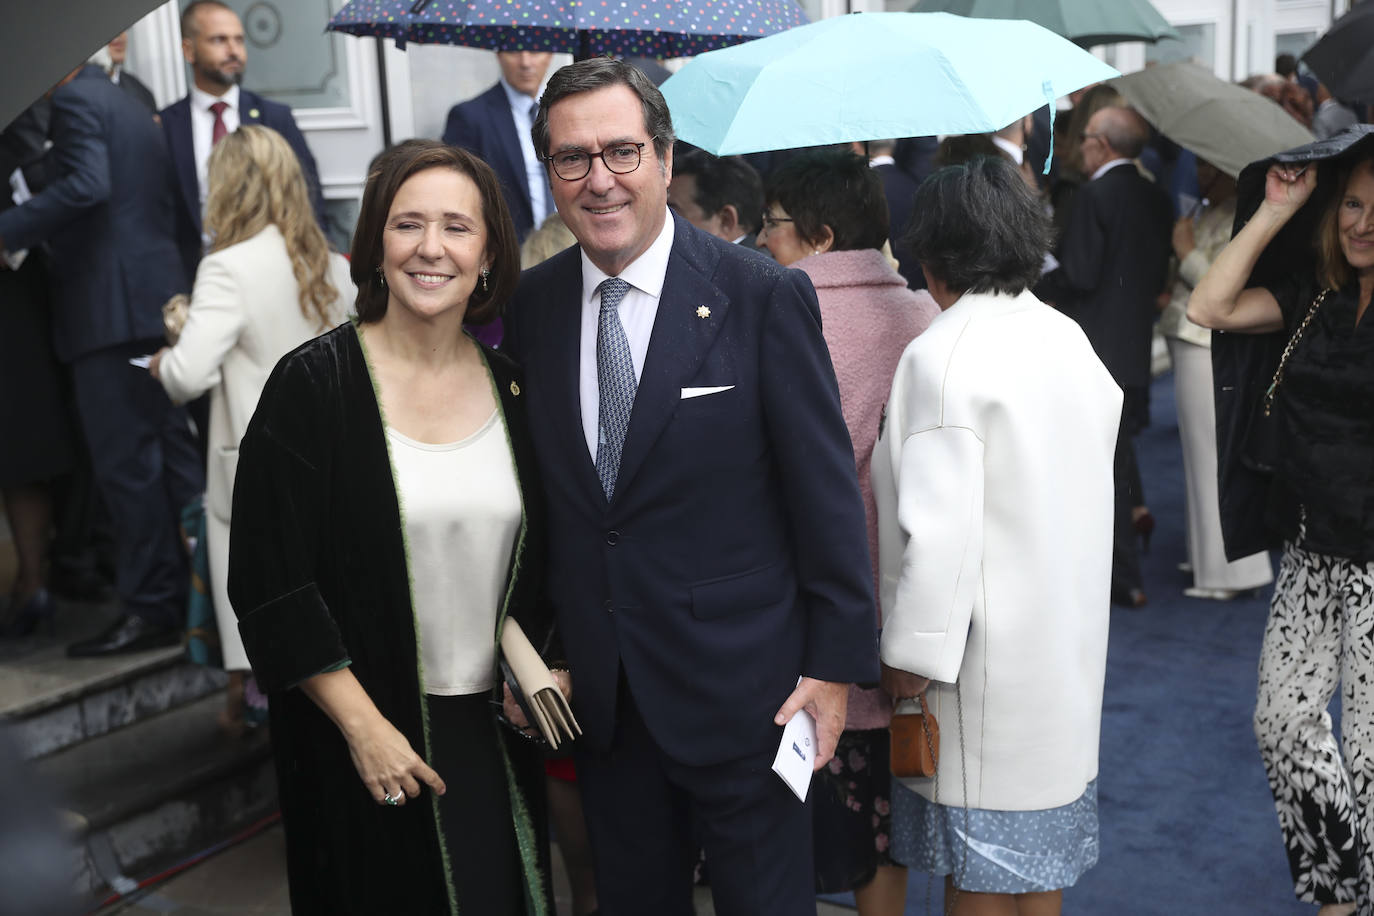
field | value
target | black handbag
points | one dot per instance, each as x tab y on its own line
1262	441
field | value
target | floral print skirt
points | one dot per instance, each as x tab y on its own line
851	812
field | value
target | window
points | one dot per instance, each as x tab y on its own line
1196	42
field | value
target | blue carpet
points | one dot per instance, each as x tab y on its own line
1187	822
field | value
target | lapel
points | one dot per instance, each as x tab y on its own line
498	108
250	108
558	354
678	344
176	122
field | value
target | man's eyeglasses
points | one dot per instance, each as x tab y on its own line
576	164
770	222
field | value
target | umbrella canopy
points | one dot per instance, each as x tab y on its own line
1084	22
36	50
874	76
648	28
1344	57
1219	121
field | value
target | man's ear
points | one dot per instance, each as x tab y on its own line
729	222
187	50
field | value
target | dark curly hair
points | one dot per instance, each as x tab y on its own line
836	188
977	228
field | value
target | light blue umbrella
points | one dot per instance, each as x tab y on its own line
874	76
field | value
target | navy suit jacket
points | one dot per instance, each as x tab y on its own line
1113	264
253	109
733	554
107	217
484	127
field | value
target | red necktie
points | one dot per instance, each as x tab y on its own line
219	130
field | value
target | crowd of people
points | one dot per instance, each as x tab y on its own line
840	432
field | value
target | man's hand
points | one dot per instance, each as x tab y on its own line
903	685
827	701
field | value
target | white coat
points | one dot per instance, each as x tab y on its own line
245	315
993	480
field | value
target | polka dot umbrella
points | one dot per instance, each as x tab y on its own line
585	28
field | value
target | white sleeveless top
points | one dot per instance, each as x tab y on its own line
461	505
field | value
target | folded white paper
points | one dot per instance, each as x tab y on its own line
797	753
698	392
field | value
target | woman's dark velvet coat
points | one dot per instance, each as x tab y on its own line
318	576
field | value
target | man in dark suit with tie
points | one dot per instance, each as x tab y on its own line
706	533
1113	264
106	216
212	43
496	126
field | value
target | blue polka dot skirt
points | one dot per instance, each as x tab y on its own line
1008	852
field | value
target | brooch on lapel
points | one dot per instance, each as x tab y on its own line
515	389
703	312
253	113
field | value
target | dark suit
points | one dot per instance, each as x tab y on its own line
1113	264
253	109
107	217
730	559
484	127
900	190
134	86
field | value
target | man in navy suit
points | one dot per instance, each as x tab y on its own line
707	555
212	43
496	126
106	217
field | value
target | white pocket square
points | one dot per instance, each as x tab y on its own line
698	392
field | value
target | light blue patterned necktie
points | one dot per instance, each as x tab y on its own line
615	376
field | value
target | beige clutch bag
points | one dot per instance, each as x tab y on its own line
174	315
534	688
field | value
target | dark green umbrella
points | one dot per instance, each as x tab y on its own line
1219	121
1084	22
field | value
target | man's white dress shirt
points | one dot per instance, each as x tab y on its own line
203	126
637	312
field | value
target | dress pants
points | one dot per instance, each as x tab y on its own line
646	813
146	466
1127	489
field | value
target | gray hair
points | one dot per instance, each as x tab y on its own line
600	73
977	228
1124	129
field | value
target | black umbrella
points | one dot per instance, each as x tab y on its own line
1344	57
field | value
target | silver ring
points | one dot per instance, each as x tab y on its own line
392	799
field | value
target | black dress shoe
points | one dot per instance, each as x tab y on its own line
130	633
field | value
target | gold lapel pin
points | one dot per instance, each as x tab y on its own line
515	389
703	312
253	113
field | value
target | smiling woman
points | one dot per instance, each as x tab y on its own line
387	521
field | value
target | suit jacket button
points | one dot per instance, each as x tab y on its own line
612	537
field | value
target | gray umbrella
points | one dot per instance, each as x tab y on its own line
41	43
1223	123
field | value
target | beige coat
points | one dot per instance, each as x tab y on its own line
245	315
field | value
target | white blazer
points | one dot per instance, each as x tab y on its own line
245	315
993	480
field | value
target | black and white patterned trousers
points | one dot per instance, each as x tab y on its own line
1320	636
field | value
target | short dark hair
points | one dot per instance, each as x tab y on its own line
835	188
977	228
600	73
1285	65
389	171
723	181
192	10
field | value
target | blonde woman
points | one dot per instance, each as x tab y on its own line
268	284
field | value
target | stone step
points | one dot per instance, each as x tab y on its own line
152	793
49	702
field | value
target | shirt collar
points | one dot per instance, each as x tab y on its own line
1017	154
202	100
1107	167
517	99
876	161
645	273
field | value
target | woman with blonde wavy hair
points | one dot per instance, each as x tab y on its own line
268	284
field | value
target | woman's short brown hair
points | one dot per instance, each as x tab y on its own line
1333	270
392	169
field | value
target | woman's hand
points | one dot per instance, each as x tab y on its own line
1287	188
903	685
516	716
1184	239
387	764
154	364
